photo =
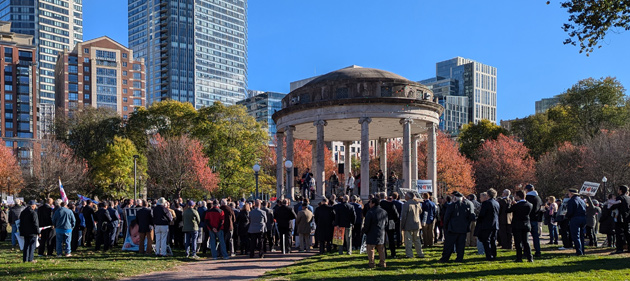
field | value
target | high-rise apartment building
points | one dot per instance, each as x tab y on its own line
18	105
465	86
56	25
99	73
195	50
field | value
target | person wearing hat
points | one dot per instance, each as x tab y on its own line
29	229
457	220
622	204
576	214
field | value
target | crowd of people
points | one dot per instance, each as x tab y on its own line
345	224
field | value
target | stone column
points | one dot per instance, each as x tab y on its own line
414	159
406	172
347	162
290	177
279	163
383	156
365	156
320	172
432	157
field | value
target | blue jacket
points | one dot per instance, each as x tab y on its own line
63	219
428	211
576	208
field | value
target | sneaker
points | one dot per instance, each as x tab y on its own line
195	257
68	255
563	248
226	258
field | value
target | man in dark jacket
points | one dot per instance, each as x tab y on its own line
14	215
393	216
576	214
536	217
103	226
283	215
623	219
144	219
376	221
29	229
488	223
358	221
112	233
76	231
505	221
268	235
90	220
521	210
44	214
324	219
457	220
345	217
398	205
228	226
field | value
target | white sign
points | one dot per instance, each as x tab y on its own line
589	188
424	186
10	200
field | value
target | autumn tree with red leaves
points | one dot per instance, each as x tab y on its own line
560	169
177	164
503	163
454	170
10	175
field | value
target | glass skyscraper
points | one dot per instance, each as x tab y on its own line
468	91
262	106
56	25
195	50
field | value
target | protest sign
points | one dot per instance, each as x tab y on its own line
589	188
424	186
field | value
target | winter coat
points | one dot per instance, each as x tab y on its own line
324	219
190	220
303	222
375	224
410	216
29	222
257	221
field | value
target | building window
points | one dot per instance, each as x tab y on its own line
86	69
137	93
137	84
86	96
86	78
86	60
137	75
124	82
124	55
125	108
137	67
124	73
124	91
86	50
73	96
137	102
124	99
124	64
86	87
8	87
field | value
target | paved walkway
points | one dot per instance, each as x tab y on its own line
237	268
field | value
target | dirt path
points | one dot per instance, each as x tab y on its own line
238	268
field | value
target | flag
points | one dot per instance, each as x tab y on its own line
64	198
83	198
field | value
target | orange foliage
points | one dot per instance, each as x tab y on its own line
454	170
503	163
9	168
302	158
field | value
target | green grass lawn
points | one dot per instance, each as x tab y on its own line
554	265
83	265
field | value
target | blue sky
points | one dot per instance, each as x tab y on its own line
294	39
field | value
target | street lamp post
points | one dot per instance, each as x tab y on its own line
289	165
135	176
256	170
604	180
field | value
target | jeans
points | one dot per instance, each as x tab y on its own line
63	237
28	253
14	231
161	235
553	233
213	243
536	236
191	243
578	225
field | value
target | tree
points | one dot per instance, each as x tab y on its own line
88	132
54	161
472	136
233	141
177	164
11	180
595	104
454	170
112	171
590	21
503	163
608	154
168	118
543	132
560	169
